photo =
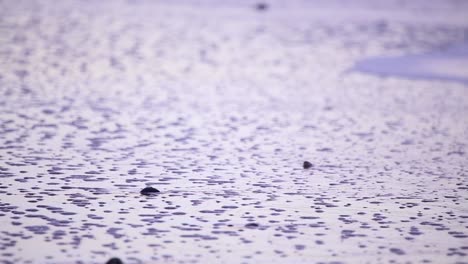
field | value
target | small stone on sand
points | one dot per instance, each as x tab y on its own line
149	191
261	6
114	261
252	225
307	165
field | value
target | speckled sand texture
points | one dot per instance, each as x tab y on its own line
217	105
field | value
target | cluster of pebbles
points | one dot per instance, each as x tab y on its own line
149	132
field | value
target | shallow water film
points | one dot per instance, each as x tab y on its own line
233	132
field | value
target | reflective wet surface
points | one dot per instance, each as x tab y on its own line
217	105
450	64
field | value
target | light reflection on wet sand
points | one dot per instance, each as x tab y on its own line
218	107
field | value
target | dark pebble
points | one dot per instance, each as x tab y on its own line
114	261
149	191
307	165
261	6
252	225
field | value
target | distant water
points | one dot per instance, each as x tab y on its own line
450	65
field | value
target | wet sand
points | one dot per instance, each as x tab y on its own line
217	105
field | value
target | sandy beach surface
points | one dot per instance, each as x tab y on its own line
217	104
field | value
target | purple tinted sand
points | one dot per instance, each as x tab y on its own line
217	105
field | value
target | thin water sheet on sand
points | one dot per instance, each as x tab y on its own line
217	106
